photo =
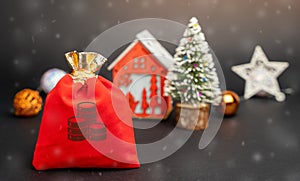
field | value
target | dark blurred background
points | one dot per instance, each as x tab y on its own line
35	34
259	143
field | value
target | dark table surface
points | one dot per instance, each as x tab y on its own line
260	143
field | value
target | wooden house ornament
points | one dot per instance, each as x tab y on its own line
139	71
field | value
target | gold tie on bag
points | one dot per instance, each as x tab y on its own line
84	64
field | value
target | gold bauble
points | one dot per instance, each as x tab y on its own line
27	102
230	102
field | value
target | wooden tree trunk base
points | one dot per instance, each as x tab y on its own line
192	118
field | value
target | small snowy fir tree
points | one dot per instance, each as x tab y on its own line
193	77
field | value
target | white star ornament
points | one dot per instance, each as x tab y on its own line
261	75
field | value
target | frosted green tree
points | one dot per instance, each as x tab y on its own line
193	78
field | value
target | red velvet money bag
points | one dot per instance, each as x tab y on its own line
86	121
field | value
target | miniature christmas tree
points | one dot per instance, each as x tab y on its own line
153	86
132	102
153	94
145	104
193	78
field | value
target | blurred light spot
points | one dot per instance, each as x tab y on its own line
70	160
209	153
57	151
57	36
16	62
261	13
22	64
159	2
33	51
158	165
33	39
289	51
145	4
278	41
257	157
215	2
278	12
233	29
289	91
230	163
11	19
270	120
38	27
31	5
79	6
104	25
16	84
210	31
9	157
110	4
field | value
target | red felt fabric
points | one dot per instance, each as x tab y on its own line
106	138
